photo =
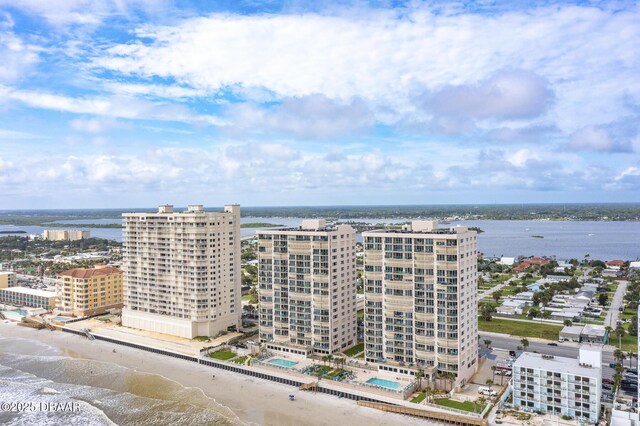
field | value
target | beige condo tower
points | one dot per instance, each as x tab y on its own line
420	300
307	287
182	271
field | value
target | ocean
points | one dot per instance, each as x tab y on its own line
92	393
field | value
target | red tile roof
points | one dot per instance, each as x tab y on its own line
616	262
88	273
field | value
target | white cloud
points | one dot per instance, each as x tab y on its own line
581	53
83	12
114	106
314	116
93	125
598	138
18	57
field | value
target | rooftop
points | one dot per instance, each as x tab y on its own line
30	291
555	363
88	273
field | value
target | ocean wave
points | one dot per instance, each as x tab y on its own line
106	393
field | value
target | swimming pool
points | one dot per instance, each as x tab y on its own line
283	362
62	319
16	314
383	383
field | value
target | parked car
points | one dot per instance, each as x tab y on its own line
607	381
552	344
632	370
607	386
613	364
487	391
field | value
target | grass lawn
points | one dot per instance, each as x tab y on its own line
519	328
354	350
629	343
360	314
223	355
332	375
418	399
628	314
247	297
466	406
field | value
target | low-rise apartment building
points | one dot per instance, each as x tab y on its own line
559	385
23	296
83	292
307	288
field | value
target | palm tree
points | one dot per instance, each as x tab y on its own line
568	323
631	355
489	383
487	343
451	378
525	343
481	401
493	370
325	359
329	359
619	356
620	332
419	376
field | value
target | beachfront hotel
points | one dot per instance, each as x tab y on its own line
182	271
307	288
420	300
82	292
559	385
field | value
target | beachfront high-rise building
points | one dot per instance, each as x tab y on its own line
420	300
182	271
307	288
83	292
65	235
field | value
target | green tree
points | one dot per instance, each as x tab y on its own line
568	323
487	343
602	299
496	295
489	383
633	327
525	343
619	356
486	311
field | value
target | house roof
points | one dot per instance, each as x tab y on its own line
616	262
89	273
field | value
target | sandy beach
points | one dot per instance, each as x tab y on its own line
251	400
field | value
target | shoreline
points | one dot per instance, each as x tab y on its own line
250	400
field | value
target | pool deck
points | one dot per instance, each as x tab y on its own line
362	374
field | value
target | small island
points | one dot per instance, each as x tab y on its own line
259	225
536	236
13	232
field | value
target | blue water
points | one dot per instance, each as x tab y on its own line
283	362
15	314
384	383
563	239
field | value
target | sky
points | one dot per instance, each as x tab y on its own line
133	103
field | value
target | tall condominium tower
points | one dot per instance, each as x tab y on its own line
182	271
420	300
307	288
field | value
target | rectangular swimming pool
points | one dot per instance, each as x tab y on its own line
16	314
283	362
383	383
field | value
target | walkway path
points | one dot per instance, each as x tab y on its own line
616	304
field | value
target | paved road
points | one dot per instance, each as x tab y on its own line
616	303
566	349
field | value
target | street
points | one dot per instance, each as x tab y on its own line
616	303
566	349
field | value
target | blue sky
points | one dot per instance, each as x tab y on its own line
136	103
